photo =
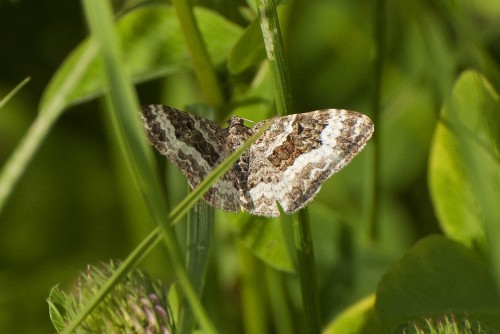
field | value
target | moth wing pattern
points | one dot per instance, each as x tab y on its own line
299	152
286	165
196	145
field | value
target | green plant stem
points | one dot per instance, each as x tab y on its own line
307	272
277	297
201	59
273	41
303	242
376	107
200	224
254	312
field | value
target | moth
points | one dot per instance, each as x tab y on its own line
286	165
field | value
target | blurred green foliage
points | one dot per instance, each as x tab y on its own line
75	204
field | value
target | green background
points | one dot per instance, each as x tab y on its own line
76	204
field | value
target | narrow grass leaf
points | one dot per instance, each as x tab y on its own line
127	265
19	160
155	236
13	92
197	193
152	38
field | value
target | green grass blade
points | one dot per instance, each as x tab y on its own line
379	28
203	65
199	231
273	42
306	267
10	173
17	163
196	194
136	151
200	222
14	92
126	117
302	230
128	264
155	236
76	81
282	315
253	296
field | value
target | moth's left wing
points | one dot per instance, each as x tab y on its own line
196	145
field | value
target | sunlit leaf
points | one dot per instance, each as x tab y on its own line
464	164
359	318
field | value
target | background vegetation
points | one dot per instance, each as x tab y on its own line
439	135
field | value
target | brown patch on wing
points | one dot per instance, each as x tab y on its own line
305	137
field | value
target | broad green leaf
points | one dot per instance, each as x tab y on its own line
219	34
264	237
451	192
357	319
152	46
249	50
464	162
438	277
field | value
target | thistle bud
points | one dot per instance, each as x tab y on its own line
134	305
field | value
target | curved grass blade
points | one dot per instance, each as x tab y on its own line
175	215
155	48
19	160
